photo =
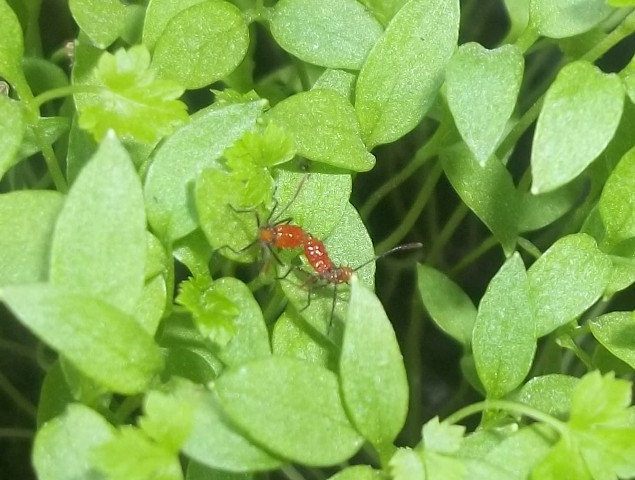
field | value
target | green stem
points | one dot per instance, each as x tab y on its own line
127	407
447	231
14	394
414	212
623	30
426	152
65	91
470	258
511	407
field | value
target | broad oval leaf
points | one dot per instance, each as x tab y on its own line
404	70
481	87
566	280
566	18
617	203
616	331
504	339
309	30
28	218
488	191
342	81
158	15
102	21
293	337
11	46
170	179
101	341
324	128
448	305
99	244
12	126
538	211
63	447
292	407
372	373
580	115
202	44
550	394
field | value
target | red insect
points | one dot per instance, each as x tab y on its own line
316	255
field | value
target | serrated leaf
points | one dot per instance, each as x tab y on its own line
549	393
267	148
99	243
131	455
487	190
580	115
158	15
441	438
216	42
566	280
102	21
305	420
101	341
481	87
63	446
504	338
309	30
617	205
566	18
406	464
372	373
404	70
614	331
448	305
134	103
178	161
324	129
28	218
12	126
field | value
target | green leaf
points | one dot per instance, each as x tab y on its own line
323	127
131	455
563	461
99	244
293	337
566	18
341	81
447	304
216	42
216	443
11	49
579	117
406	464
504	338
46	130
358	472
267	148
304	422
28	218
101	341
372	373
566	280
133	103
63	447
538	211
102	21
615	332
481	88
158	15
617	205
55	395
487	190
12	126
384	10
549	393
167	420
518	12
405	69
441	438
198	471
621	3
179	160
309	30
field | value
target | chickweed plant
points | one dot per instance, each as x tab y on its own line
146	335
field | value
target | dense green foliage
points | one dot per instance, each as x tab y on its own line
145	332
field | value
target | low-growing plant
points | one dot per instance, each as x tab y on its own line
144	143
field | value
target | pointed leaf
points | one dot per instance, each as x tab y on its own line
323	126
102	342
63	447
482	86
99	244
216	42
579	117
566	18
504	339
28	218
615	332
566	280
488	190
304	422
405	69
309	30
538	211
177	162
372	373
617	203
448	305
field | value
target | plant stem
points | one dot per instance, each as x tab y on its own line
65	91
447	231
623	30
20	400
471	257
